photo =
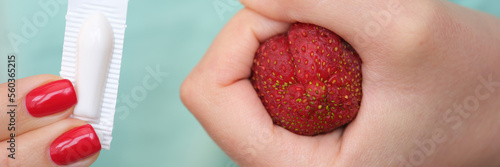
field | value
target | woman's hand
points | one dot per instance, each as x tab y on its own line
44	136
431	86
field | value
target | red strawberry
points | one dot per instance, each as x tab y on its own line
309	79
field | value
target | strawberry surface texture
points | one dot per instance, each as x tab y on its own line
308	79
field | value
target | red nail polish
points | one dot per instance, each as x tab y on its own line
74	145
51	98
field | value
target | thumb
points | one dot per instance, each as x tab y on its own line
357	21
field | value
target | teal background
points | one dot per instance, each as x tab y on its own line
171	35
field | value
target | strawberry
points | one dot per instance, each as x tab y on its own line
309	79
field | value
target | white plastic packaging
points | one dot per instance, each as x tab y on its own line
92	53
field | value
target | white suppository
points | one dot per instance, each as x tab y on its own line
94	46
92	53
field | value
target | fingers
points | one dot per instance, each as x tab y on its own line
67	142
218	91
39	100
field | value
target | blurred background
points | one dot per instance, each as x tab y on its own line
156	130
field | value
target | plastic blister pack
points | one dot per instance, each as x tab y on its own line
92	54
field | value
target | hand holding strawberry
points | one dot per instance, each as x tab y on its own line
430	85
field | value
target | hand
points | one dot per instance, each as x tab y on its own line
431	86
44	135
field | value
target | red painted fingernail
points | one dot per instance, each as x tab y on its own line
74	145
51	98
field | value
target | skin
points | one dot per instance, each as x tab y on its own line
431	86
34	135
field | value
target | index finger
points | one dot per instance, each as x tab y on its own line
240	39
35	104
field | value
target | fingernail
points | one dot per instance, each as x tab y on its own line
74	145
51	98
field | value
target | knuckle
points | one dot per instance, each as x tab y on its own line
424	27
